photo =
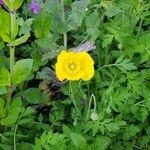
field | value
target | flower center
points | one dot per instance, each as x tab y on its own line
72	68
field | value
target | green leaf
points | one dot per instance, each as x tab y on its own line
78	140
111	9
3	90
34	96
13	113
2	108
76	16
1	45
20	40
5	147
112	127
4	77
92	20
92	25
50	140
5	25
13	4
131	131
25	146
101	143
21	71
26	26
107	40
42	25
125	64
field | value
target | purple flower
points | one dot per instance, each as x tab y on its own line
34	7
1	2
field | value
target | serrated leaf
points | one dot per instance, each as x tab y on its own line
42	25
78	140
107	40
26	26
75	18
101	143
125	64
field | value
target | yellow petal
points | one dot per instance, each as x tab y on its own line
87	65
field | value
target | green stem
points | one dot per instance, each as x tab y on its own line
15	131
92	98
12	49
63	21
9	95
12	62
12	59
72	97
139	28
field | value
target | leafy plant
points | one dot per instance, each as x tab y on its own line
111	111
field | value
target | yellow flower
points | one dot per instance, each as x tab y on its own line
74	66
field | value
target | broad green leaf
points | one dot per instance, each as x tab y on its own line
2	108
5	25
4	77
34	96
92	24
42	25
13	113
21	71
3	90
13	4
77	14
92	20
8	26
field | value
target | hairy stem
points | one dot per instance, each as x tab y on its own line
92	98
15	131
72	97
12	59
63	20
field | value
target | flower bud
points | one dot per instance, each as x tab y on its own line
94	116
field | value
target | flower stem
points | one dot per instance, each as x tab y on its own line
63	21
12	61
92	97
72	97
15	131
